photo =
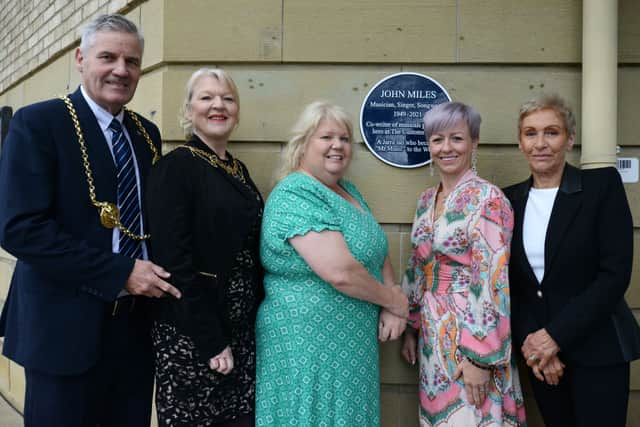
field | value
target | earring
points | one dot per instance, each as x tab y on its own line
474	161
431	173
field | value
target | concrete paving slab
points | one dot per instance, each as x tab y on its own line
9	417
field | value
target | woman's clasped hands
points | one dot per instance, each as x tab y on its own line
541	353
393	319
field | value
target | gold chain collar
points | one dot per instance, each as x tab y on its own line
109	213
235	170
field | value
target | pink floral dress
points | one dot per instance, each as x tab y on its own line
458	289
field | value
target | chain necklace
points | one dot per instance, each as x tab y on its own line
235	170
109	213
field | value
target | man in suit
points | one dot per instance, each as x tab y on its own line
71	175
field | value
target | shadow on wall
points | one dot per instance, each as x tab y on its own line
6	113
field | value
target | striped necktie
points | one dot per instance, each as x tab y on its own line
128	201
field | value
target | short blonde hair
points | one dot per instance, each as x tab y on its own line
218	74
549	101
306	125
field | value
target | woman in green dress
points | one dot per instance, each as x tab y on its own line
327	274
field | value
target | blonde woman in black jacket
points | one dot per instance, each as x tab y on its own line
571	259
205	223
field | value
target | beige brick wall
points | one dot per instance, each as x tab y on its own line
286	53
33	32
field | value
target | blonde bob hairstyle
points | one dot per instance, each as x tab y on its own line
549	101
218	74
306	125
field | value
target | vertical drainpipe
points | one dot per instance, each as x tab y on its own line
599	83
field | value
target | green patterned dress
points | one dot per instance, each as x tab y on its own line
317	349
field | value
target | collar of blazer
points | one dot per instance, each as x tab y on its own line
242	188
566	206
108	210
102	165
570	183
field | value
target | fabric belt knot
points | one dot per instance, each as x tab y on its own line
128	200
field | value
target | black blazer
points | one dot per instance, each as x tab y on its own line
66	274
588	260
199	219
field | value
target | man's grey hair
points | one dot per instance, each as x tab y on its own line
113	22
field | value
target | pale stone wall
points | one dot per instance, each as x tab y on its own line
284	54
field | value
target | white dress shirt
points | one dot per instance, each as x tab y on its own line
104	120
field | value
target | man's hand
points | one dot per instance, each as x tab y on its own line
390	326
147	279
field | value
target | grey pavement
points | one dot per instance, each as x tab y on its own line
9	417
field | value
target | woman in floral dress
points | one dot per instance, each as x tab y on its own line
457	285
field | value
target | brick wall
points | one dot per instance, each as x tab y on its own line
33	32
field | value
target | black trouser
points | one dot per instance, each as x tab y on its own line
117	392
586	396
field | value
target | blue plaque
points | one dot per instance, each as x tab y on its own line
391	118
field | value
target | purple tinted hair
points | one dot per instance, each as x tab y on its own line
449	114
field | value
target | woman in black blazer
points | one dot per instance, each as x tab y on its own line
204	217
571	259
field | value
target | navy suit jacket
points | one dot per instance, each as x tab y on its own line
588	258
66	274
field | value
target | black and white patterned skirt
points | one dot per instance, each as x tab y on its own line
189	393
